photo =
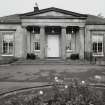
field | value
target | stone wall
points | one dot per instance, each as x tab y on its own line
18	38
81	44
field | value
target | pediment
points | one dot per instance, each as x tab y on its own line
52	13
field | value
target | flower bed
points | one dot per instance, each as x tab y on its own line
59	93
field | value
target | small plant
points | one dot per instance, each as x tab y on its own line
75	93
74	56
31	56
28	56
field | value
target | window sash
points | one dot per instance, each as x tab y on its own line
97	43
68	42
36	42
7	43
37	46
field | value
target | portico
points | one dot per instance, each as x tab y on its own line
51	41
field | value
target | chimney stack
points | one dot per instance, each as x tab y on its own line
36	8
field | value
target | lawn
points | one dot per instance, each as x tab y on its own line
20	76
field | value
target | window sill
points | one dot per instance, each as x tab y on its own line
36	51
6	55
69	51
98	55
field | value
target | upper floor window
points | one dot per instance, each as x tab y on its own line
97	45
8	43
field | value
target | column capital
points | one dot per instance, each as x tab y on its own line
63	27
42	26
81	28
23	26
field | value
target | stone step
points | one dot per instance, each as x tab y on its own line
49	61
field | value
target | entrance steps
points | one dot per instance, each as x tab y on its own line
50	62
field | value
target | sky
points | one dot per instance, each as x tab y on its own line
94	7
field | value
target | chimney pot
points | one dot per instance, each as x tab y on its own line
36	8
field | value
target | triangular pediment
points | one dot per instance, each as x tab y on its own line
53	12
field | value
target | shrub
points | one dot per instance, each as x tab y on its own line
74	56
28	56
31	56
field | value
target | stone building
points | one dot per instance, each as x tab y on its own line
52	33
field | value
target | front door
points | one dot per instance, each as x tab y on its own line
53	46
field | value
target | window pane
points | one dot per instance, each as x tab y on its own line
94	38
11	48
100	38
37	46
68	41
5	47
97	41
95	47
68	46
99	47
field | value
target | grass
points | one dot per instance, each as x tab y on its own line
43	73
17	76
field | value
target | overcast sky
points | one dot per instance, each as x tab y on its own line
95	7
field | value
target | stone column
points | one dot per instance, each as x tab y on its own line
63	43
88	44
42	42
82	40
24	38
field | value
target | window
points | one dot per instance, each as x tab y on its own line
36	45
36	42
97	45
7	43
68	42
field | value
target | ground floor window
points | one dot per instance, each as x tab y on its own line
97	45
8	43
36	42
37	45
68	42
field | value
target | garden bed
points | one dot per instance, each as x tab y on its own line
58	93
